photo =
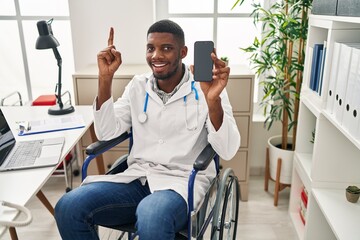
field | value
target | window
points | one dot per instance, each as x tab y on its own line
23	68
230	29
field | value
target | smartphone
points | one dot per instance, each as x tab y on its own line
203	63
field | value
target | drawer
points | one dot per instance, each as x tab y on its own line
87	88
238	164
243	123
240	95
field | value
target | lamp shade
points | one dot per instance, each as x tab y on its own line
46	39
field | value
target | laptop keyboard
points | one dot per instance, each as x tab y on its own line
25	154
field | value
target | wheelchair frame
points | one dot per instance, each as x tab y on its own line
221	216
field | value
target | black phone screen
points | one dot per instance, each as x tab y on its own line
203	63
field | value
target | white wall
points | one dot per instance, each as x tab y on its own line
90	24
258	141
92	19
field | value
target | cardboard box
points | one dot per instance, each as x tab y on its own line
324	7
349	8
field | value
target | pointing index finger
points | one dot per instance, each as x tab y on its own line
111	37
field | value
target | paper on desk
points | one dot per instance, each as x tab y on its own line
52	125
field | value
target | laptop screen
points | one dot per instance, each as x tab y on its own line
7	139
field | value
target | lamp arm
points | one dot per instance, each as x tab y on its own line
59	63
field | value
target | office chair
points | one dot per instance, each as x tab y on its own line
220	206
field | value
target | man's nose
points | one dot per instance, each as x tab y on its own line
157	54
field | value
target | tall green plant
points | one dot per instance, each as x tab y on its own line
278	59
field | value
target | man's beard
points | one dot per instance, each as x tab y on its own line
167	75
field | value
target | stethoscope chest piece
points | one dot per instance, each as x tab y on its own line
142	117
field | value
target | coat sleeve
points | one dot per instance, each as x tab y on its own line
225	141
113	118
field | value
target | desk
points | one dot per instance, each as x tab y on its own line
20	186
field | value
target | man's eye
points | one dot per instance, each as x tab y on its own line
150	49
167	48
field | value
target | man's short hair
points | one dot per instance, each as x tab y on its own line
168	26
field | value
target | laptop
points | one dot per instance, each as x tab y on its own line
15	155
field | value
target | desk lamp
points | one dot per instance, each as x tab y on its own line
46	40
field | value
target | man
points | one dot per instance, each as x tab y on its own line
172	120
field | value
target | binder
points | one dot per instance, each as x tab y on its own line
332	79
315	66
322	64
308	62
341	81
352	97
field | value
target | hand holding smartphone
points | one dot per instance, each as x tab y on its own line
203	64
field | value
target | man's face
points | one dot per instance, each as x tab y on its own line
164	55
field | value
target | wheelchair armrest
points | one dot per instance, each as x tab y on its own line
205	158
99	147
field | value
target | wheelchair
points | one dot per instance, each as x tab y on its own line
217	214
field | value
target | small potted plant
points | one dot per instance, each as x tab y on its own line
225	60
352	194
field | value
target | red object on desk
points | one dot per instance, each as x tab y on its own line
50	100
45	100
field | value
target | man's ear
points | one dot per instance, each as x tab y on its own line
184	51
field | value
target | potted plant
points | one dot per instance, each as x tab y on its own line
352	194
225	60
278	61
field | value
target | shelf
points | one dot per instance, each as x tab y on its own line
312	101
318	20
330	164
336	124
342	216
303	166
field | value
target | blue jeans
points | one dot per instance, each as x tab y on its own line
158	215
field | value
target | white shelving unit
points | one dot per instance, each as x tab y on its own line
330	164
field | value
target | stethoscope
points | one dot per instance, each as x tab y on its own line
143	115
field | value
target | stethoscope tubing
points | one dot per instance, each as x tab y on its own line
143	116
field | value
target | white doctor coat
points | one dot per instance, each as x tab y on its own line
167	144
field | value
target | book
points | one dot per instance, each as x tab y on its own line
304	198
308	62
302	216
45	100
321	74
315	66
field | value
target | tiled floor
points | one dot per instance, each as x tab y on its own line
258	218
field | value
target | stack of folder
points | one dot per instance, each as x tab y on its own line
343	98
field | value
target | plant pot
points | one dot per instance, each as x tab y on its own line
226	62
352	197
286	156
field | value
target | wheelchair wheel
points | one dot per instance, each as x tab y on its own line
230	210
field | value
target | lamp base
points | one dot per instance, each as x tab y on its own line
56	110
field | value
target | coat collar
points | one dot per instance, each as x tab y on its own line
184	90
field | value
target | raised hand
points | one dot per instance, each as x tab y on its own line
213	89
221	72
109	59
